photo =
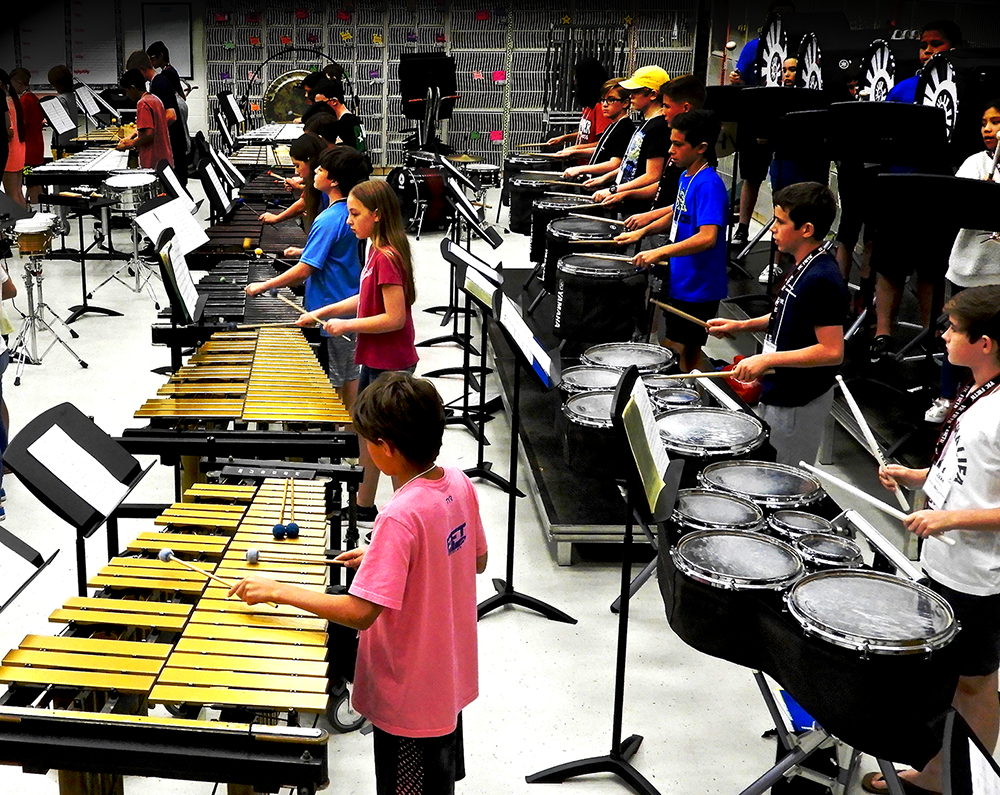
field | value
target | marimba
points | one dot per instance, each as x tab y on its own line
257	157
243	235
258	393
89	167
269	133
159	634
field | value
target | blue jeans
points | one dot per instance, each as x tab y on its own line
369	374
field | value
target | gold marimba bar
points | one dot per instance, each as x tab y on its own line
159	633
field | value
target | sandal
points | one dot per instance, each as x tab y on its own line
870	781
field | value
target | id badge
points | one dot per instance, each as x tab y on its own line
937	487
770	346
673	232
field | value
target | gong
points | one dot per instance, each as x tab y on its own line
284	100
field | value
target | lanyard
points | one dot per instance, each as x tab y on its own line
964	402
596	157
787	289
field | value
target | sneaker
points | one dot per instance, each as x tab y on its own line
741	236
3	494
881	348
3	513
366	517
765	275
938	411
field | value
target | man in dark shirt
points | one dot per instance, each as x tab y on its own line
159	56
328	96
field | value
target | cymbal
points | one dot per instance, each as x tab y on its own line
464	158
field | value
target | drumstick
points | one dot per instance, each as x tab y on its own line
248	326
596	243
867	498
532	146
712	374
167	556
255	556
596	218
866	431
543	174
611	257
304	311
675	311
568	196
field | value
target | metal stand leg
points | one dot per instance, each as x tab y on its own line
136	267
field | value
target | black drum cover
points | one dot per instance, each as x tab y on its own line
590	309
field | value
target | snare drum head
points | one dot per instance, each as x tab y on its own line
620	355
584	265
709	431
792	524
583	229
126	181
530	183
561	202
673	397
586	378
531	161
707	509
590	408
763	482
36	225
873	612
481	168
824	549
737	560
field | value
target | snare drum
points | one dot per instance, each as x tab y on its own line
547	208
523	192
737	561
486	174
705	432
589	443
767	484
132	188
598	300
562	233
34	235
667	394
790	525
587	378
421	187
704	509
871	613
622	355
825	551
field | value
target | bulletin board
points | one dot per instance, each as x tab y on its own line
171	24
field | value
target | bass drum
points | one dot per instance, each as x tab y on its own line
421	187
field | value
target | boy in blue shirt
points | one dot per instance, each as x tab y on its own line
329	264
697	250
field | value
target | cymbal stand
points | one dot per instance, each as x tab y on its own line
25	346
136	267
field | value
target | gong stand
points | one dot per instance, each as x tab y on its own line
724	102
529	354
617	761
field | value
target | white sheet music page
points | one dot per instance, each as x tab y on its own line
86	97
57	115
78	470
182	276
181	192
188	233
651	459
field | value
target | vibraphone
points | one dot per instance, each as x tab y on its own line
156	633
89	167
228	303
243	235
254	394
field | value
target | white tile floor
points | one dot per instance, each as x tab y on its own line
546	688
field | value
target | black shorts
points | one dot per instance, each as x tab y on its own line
897	259
755	159
419	764
677	329
978	642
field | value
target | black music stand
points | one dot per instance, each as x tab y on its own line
658	487
724	102
531	356
479	282
31	555
63	434
969	769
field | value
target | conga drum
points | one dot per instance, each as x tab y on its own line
598	300
562	236
548	208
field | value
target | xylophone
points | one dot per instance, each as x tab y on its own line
159	634
257	393
257	157
268	187
89	167
269	133
243	235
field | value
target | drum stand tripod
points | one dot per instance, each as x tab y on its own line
25	346
137	267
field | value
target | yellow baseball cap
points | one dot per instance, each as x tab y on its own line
651	77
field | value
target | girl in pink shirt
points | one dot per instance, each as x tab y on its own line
384	321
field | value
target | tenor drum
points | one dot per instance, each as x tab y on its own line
823	551
420	187
562	235
704	509
132	188
524	190
598	300
666	393
515	164
767	484
706	432
622	355
871	613
790	525
486	174
589	443
34	235
548	208
737	561
587	378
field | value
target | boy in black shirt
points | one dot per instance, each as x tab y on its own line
160	87
329	96
614	140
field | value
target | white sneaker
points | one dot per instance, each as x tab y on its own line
938	411
764	274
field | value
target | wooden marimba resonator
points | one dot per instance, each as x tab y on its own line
160	632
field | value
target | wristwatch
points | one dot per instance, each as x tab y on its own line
613	189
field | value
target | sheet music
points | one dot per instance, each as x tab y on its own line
78	470
651	459
984	777
216	185
179	190
525	340
57	115
234	107
226	168
86	98
182	278
474	263
220	122
479	286
188	234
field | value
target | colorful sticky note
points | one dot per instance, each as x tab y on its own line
302	13
474	136
224	76
477	75
254	106
251	75
377	39
440	38
343	16
255	40
499	77
253	18
229	45
482	15
628	19
286	39
221	16
373	74
566	19
496	136
411	36
345	35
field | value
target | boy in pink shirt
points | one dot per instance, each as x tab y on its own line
414	594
